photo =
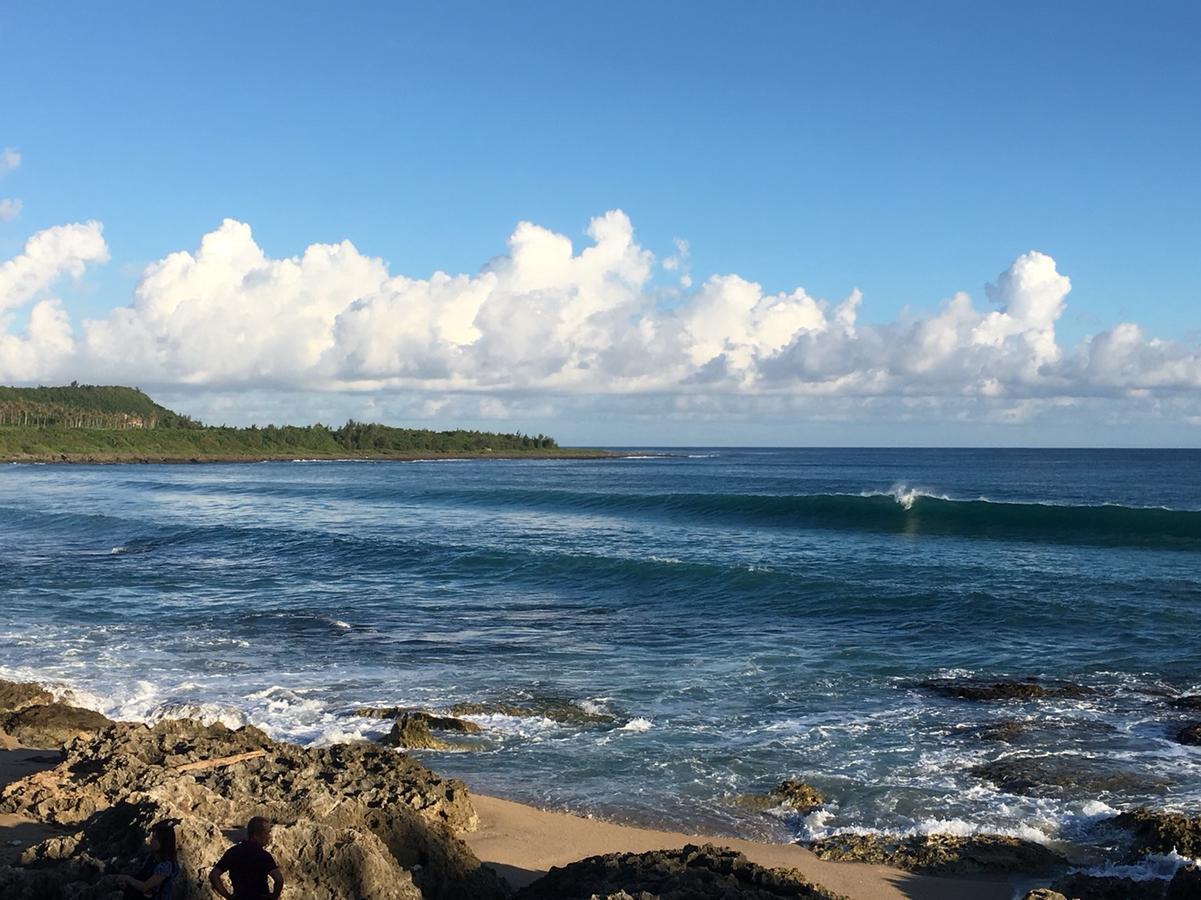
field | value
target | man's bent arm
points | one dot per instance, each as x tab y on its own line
277	883
217	880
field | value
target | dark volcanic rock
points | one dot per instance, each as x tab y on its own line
1091	887
51	724
690	873
1188	701
1190	734
1186	884
982	689
16	695
942	854
1154	831
790	792
1035	731
1067	775
1004	732
432	721
557	709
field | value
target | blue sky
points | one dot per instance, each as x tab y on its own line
906	150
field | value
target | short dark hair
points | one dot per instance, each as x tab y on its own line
167	848
257	826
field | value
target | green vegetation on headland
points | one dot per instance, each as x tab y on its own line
87	423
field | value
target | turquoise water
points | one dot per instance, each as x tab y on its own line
746	615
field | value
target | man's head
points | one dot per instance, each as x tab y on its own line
258	830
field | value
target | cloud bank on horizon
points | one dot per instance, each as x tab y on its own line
544	320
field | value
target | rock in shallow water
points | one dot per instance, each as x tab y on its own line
979	689
790	792
431	720
412	732
942	854
1065	776
1157	831
1090	887
1190	734
690	873
557	709
1038	731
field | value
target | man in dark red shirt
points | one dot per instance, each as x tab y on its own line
249	866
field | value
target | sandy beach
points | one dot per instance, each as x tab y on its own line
522	843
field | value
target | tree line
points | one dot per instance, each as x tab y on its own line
113	408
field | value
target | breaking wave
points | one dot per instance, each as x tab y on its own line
901	510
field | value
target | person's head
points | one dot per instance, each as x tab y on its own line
258	830
162	841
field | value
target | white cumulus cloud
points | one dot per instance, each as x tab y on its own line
549	319
64	250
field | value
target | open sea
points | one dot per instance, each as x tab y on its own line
743	615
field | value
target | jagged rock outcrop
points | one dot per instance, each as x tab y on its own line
352	820
1065	775
1185	884
979	689
557	709
1157	831
15	695
1079	886
432	721
30	716
791	792
942	854
690	873
51	724
412	732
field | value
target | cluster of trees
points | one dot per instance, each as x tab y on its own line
370	436
86	406
76	418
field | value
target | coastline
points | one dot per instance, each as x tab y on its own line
67	459
49	793
521	843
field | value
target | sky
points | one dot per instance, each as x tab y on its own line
801	223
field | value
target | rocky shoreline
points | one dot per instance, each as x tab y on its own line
353	820
366	820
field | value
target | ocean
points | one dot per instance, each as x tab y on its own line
711	620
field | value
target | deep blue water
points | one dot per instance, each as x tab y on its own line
746	614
